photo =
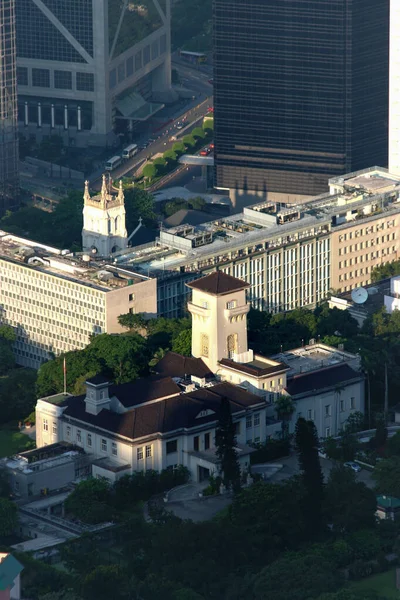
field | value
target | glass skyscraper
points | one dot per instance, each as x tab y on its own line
8	109
91	69
300	92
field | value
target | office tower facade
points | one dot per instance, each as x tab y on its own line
300	92
88	69
8	108
394	89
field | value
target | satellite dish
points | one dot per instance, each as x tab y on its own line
359	295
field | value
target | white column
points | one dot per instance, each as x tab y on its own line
39	114
79	119
65	116
394	88
26	114
53	118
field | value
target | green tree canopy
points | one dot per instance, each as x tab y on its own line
349	504
306	444
189	141
198	133
182	342
225	443
298	576
171	157
387	476
179	148
150	171
90	501
123	358
139	204
8	517
384	271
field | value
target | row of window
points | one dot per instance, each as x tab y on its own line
328	408
147	450
253	420
88	441
367	244
370	229
62	80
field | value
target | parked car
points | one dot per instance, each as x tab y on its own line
352	465
203	152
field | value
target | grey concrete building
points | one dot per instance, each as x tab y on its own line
90	68
8	108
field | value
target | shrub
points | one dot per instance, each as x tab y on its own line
271	450
360	569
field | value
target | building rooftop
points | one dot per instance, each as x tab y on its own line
267	225
166	414
176	365
218	283
77	267
258	367
327	377
314	357
388	502
10	568
56	398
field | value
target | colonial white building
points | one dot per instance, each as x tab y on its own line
170	418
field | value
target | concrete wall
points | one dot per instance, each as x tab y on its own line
118	303
31	484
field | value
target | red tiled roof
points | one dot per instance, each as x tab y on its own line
218	283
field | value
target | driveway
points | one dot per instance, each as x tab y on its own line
185	503
290	468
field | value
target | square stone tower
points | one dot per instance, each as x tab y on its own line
219	312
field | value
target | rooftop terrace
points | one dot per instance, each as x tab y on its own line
77	267
356	196
314	357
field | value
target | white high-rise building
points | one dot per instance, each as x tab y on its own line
394	88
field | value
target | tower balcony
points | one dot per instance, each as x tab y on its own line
237	311
199	311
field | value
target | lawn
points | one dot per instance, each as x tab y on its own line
383	583
12	441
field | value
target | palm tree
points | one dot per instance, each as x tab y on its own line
284	407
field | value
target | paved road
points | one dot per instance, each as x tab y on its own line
192	78
290	468
160	144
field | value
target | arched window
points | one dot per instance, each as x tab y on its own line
116	224
109	226
232	344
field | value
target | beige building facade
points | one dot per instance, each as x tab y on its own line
362	245
56	301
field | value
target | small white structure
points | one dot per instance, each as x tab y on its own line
392	302
104	230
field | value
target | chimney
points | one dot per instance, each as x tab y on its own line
97	396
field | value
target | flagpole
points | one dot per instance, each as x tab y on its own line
65	377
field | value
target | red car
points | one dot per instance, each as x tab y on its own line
210	109
203	152
212	146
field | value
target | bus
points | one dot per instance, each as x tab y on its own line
113	163
129	151
193	57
